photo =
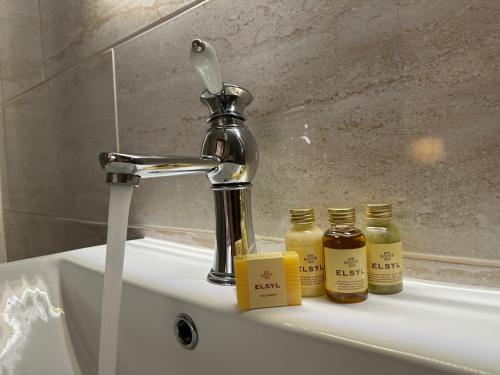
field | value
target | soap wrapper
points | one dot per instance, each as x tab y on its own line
267	280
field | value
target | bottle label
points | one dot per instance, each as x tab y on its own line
311	266
266	281
385	263
346	270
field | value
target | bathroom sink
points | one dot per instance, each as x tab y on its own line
51	307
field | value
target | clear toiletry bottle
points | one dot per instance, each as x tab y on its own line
305	238
384	250
345	258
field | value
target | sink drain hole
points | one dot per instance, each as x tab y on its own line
185	331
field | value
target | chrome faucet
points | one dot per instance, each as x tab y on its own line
229	158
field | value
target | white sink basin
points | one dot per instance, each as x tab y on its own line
429	328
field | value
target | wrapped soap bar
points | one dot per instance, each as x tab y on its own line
267	280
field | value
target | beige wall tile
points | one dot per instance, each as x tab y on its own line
355	102
453	273
20	46
75	29
4	191
2	158
1	73
30	235
3	253
54	134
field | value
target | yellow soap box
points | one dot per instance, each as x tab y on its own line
267	280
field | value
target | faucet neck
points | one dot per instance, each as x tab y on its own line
233	230
230	103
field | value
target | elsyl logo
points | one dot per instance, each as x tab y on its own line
266	275
310	258
351	262
387	255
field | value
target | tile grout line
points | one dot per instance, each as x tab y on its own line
478	262
115	100
107	49
175	14
60	218
453	259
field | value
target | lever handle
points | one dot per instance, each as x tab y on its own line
204	60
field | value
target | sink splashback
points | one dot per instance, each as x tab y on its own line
354	103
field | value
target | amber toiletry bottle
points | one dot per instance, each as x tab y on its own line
305	238
384	250
345	258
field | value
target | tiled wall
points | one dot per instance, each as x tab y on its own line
3	254
355	101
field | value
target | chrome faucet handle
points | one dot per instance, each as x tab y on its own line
204	60
222	100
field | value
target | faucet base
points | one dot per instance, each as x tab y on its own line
221	278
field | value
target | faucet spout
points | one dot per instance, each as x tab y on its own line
131	169
233	209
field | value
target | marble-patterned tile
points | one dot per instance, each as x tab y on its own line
438	205
1	74
190	237
54	134
355	102
74	29
3	189
4	192
20	46
3	253
453	273
185	202
31	235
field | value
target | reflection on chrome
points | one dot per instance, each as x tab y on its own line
22	305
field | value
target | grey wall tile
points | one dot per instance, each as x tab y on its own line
54	134
75	29
3	253
1	73
185	202
20	46
4	191
453	273
30	235
354	102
